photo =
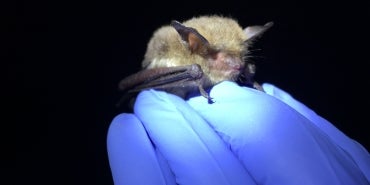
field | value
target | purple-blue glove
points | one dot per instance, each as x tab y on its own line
244	137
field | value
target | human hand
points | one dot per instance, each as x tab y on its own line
245	137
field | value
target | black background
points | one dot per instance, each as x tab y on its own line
71	55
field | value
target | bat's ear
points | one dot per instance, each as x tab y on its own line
193	39
253	32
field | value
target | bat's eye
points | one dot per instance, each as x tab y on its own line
213	53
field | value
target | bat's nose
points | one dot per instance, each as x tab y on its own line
235	63
240	66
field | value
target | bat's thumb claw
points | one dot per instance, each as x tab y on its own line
205	94
210	101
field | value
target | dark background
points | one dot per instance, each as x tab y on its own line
71	55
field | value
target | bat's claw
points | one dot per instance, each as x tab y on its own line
205	94
210	101
258	86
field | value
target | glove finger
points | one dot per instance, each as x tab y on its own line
359	154
194	152
276	144
132	158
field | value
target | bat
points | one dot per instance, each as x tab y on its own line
189	58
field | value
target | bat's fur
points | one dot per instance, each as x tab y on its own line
216	44
166	49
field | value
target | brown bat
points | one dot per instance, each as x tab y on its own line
189	58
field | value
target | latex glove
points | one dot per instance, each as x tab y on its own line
245	137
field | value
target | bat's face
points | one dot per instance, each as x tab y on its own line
225	66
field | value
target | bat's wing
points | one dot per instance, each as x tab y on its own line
179	80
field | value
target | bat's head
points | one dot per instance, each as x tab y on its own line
218	44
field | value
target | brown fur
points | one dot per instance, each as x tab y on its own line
182	58
166	49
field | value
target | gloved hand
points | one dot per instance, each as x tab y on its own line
244	137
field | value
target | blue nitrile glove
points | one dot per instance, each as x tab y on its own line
244	137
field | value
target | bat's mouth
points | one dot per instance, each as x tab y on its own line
234	71
231	68
237	67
